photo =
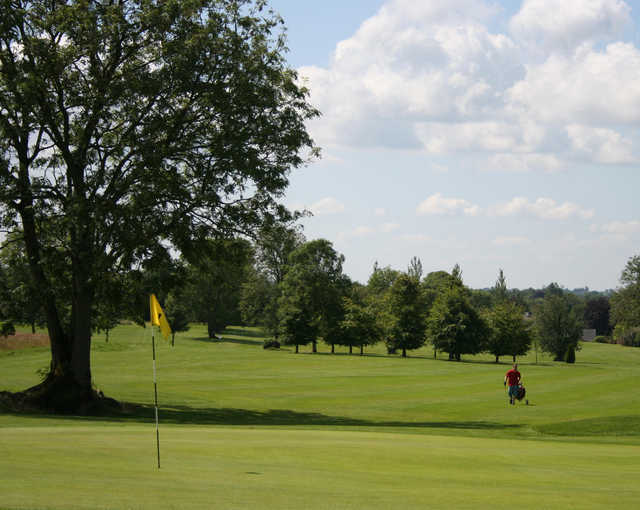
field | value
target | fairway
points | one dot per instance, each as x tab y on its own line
246	428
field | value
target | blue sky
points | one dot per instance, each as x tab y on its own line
490	134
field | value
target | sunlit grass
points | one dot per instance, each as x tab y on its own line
242	427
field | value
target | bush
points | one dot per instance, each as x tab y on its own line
601	339
271	344
7	329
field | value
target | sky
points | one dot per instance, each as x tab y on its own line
491	134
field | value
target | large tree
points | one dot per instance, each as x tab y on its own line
454	326
510	333
214	282
312	292
261	290
130	126
558	325
359	326
596	315
405	315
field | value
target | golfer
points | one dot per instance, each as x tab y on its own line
512	378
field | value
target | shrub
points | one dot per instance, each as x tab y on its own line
7	329
271	344
601	339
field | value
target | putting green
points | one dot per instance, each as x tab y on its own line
57	465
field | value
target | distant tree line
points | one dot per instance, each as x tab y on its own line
297	292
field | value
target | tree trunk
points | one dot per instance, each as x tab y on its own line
333	349
67	387
404	352
315	347
362	350
351	349
33	327
497	359
82	301
514	358
296	348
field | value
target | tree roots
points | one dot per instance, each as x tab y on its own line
58	395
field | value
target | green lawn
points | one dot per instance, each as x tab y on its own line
246	428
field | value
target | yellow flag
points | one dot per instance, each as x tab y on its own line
158	318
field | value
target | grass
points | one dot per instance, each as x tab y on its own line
242	427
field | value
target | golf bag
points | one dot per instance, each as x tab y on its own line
521	392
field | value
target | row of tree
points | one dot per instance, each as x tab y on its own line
312	300
405	311
297	292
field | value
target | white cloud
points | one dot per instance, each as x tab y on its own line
362	231
357	232
565	24
601	144
439	205
389	227
366	231
525	162
444	138
431	76
587	87
328	205
543	208
618	227
511	241
416	238
440	169
411	62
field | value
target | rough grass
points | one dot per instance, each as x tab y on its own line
242	427
23	341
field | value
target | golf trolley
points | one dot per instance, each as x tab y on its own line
521	393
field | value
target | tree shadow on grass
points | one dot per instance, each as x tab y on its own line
244	332
224	340
186	415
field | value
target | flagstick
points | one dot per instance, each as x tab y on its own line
155	390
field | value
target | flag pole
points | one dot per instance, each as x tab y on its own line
155	391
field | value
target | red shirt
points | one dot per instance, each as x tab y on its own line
513	377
